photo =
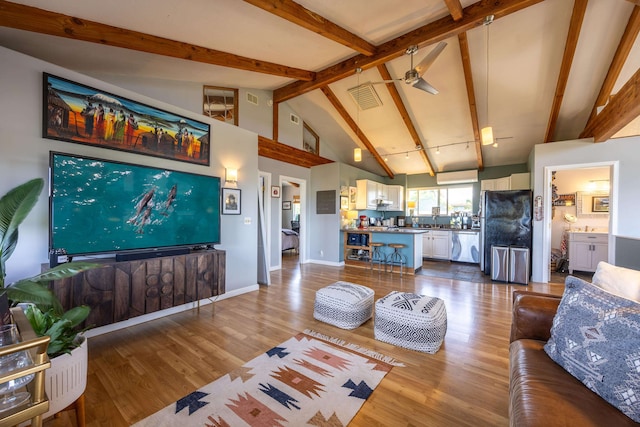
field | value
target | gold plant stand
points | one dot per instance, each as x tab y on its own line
37	346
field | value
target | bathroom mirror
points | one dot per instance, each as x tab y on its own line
592	204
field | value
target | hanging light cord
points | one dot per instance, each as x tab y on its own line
487	22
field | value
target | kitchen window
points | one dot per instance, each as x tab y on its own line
448	199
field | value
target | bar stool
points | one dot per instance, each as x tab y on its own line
377	256
396	257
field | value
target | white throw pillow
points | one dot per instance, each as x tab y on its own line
619	281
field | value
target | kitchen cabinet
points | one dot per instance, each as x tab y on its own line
368	192
395	194
436	244
520	181
516	181
498	184
586	250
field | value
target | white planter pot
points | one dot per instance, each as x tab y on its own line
66	380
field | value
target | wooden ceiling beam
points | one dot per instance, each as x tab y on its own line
402	109
620	57
356	129
577	17
42	21
288	154
299	15
455	9
428	34
622	109
471	95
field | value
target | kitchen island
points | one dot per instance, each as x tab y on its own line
357	251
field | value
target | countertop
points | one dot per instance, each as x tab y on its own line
405	230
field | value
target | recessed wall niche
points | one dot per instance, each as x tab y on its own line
221	103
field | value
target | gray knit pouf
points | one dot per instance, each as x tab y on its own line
416	322
343	304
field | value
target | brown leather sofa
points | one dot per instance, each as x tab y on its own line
541	392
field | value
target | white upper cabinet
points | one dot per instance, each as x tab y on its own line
395	194
516	181
369	192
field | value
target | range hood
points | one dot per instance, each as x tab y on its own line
383	204
459	177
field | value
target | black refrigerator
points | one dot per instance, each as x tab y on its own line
505	220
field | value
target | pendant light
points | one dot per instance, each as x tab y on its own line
357	152
486	133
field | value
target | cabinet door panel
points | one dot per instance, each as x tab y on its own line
599	253
441	247
427	245
580	256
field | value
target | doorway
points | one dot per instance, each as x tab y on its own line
292	216
566	192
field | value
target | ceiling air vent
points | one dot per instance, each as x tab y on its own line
365	96
294	119
252	99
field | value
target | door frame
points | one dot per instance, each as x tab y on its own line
266	199
614	170
302	248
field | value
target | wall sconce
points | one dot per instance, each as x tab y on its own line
357	154
231	175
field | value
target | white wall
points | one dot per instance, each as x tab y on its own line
288	191
25	155
625	200
288	132
325	233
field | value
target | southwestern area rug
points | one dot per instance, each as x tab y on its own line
310	379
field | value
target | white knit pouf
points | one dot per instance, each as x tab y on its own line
416	322
343	304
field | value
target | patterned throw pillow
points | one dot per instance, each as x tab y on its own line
596	338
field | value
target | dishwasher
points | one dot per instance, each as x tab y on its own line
465	246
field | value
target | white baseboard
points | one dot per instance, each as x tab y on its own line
162	313
325	262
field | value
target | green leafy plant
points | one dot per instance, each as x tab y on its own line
61	328
47	316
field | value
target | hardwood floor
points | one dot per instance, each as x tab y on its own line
139	370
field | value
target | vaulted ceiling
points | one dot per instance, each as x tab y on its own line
539	73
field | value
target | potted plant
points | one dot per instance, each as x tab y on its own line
67	349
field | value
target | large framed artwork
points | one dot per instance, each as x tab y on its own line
77	113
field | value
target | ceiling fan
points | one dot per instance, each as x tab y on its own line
414	75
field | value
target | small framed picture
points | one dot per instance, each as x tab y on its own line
275	191
600	204
353	195
286	206
231	201
344	203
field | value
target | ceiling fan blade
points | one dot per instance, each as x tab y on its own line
423	85
428	60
